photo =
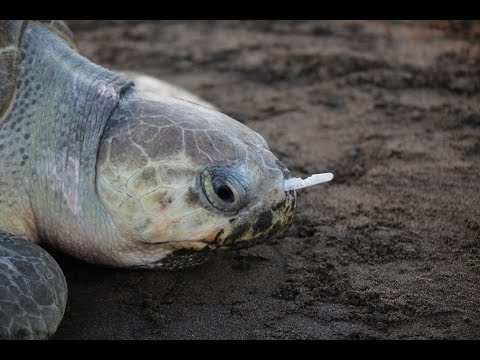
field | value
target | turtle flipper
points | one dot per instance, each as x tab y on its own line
33	290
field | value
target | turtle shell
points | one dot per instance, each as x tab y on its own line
11	32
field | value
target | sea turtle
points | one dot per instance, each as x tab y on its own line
113	175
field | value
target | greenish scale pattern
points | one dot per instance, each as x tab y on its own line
33	290
15	135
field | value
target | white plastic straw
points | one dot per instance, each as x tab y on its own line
299	183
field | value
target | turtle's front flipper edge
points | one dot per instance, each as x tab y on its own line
33	290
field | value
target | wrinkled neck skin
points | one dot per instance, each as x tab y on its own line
47	168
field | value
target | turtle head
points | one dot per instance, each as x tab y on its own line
179	180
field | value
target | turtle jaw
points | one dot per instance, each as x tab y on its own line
258	224
243	230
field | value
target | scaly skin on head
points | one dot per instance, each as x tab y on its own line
108	174
159	162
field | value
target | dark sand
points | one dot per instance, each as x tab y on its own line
388	250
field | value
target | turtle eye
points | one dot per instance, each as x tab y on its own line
223	190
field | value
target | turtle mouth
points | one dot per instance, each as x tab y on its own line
186	254
185	259
244	229
182	259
